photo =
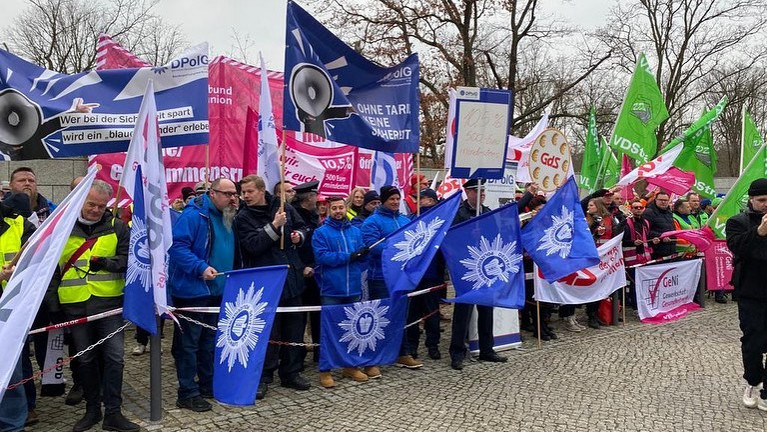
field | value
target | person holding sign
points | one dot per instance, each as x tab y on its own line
747	239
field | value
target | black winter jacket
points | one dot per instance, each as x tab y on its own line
749	250
258	242
660	221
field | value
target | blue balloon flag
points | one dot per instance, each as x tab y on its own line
333	91
365	333
558	237
244	325
409	250
138	304
484	258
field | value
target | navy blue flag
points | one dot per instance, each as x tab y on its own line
333	91
558	237
138	304
484	258
365	333
244	325
49	114
408	252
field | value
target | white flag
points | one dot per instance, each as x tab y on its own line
523	145
450	129
654	168
24	292
148	150
268	156
586	285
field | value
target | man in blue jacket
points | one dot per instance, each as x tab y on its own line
203	247
384	221
340	257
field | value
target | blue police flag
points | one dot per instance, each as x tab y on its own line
244	325
558	237
367	333
138	304
333	91
51	114
408	252
484	258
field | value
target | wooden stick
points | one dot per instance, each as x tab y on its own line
282	188
538	316
624	305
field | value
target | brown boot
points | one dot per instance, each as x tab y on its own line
326	380
407	361
354	374
373	372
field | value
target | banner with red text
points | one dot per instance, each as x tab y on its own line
589	284
665	291
718	266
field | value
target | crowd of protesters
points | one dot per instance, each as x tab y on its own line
331	247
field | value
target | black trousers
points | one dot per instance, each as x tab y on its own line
287	327
461	316
753	343
311	297
420	306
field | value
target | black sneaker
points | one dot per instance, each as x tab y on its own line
456	364
297	383
90	419
494	357
195	403
75	395
434	353
118	422
261	391
593	323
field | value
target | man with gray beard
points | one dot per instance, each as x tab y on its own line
203	246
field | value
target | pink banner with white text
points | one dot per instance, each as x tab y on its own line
718	266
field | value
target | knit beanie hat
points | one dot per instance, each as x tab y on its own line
370	196
388	191
758	187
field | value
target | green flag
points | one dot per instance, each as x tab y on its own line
610	168
698	154
735	200
591	156
751	140
643	110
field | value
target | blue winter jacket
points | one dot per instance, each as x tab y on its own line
333	242
190	250
377	226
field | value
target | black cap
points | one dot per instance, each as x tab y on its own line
758	187
307	187
388	191
429	193
472	183
187	192
370	196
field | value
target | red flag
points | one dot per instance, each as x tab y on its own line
250	149
674	180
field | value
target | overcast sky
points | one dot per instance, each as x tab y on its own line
263	21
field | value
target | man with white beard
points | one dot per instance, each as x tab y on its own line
203	246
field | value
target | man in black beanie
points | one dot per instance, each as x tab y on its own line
747	239
369	204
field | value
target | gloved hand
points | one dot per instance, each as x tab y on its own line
97	264
355	256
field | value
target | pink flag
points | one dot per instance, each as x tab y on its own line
702	238
250	149
627	192
653	168
674	180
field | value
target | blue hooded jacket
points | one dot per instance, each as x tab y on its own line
377	226
190	251
333	243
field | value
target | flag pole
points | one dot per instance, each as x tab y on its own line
624	305
538	320
282	187
418	188
207	165
742	137
155	374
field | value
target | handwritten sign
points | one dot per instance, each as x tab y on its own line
482	126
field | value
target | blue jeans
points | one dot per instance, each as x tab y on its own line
378	290
106	385
13	408
193	348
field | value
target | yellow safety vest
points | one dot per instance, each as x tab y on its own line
10	241
78	284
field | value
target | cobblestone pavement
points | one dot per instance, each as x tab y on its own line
681	376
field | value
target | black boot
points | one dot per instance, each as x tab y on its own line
91	418
75	395
118	422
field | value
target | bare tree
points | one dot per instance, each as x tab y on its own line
464	42
61	34
688	39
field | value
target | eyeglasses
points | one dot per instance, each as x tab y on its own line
227	194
